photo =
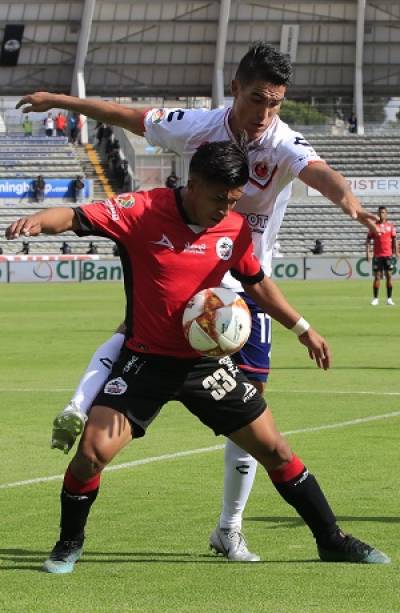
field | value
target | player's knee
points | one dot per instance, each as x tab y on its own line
93	456
276	453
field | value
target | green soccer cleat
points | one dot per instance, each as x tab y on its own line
346	548
67	426
232	545
63	557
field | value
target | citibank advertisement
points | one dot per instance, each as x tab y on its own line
64	271
69	269
54	188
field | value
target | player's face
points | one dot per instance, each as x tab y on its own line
255	106
382	215
208	204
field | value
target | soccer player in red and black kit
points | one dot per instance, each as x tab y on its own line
385	251
172	245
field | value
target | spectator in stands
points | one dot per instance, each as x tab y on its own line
27	126
318	247
115	250
39	188
65	248
49	124
77	188
92	249
61	124
172	180
99	132
73	127
125	177
352	123
25	248
1	250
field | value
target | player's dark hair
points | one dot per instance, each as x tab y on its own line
222	162
263	62
382	208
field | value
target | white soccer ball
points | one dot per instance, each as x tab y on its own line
216	322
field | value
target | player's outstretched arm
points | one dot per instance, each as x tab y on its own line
110	113
51	221
335	188
271	300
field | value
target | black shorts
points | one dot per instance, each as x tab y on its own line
215	390
383	264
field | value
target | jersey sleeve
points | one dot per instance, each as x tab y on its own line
171	128
247	268
114	218
295	153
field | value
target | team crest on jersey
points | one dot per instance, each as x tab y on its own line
127	201
261	173
224	248
157	116
116	387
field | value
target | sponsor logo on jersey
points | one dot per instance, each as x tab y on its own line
164	242
127	201
224	248
250	390
257	222
116	387
112	209
157	116
197	249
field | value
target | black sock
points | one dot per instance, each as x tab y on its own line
389	291
305	495
74	513
376	291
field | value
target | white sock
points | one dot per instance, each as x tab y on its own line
97	372
240	471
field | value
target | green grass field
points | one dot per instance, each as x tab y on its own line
147	538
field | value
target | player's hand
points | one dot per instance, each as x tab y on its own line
26	226
318	348
37	102
369	220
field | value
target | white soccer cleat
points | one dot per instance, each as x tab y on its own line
374	302
390	302
67	426
232	545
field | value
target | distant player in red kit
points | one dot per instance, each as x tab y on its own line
385	251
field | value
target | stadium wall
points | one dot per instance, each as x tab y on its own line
70	269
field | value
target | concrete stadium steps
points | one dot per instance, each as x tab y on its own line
304	222
355	155
94	170
26	157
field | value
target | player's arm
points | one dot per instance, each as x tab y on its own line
335	188
271	300
50	221
110	113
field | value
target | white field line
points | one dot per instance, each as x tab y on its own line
268	390
190	452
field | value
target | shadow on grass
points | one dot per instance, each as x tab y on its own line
297	522
26	559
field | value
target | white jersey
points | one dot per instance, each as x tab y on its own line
276	158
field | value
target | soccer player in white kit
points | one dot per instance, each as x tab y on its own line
277	155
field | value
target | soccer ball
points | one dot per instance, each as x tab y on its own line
216	322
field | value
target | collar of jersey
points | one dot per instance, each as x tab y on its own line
253	144
179	204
